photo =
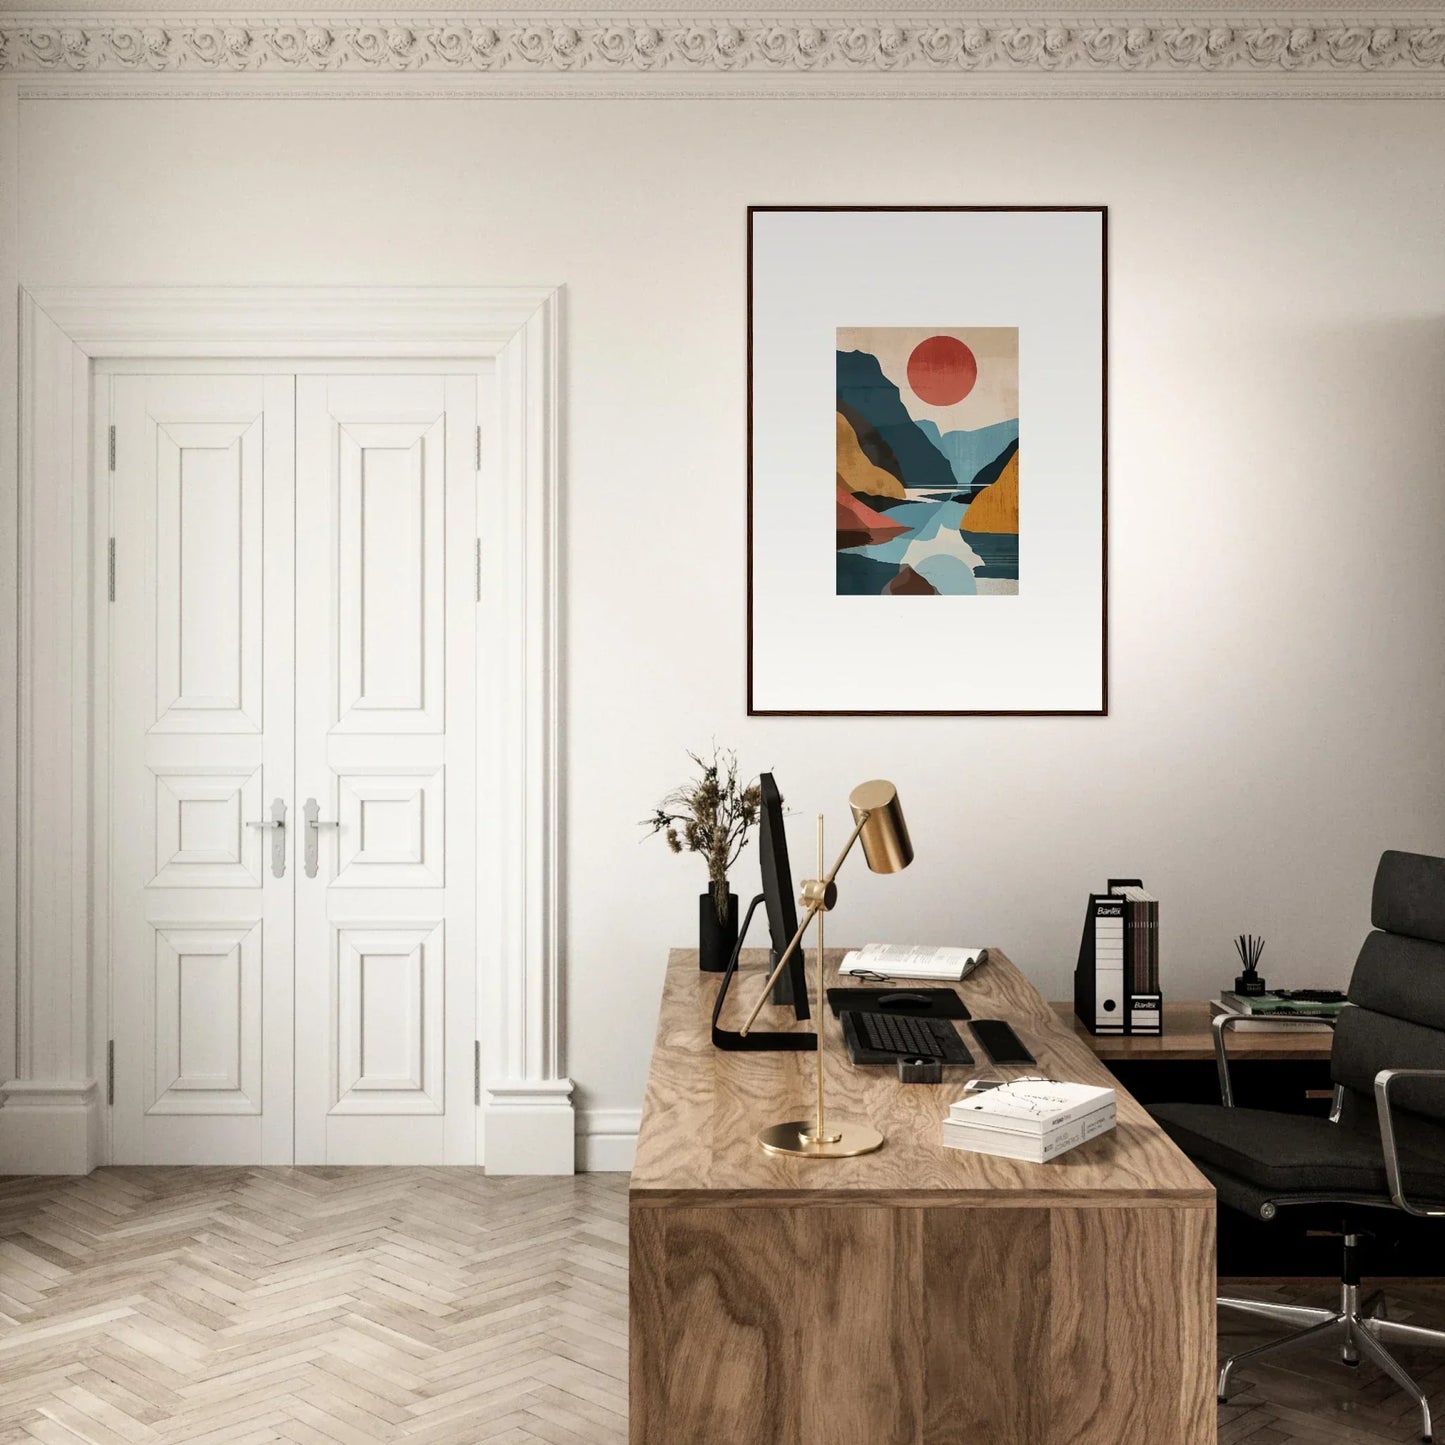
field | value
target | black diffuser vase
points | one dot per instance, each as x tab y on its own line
716	937
1249	947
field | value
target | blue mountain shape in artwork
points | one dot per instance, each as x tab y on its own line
968	452
863	387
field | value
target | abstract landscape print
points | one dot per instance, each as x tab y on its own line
928	461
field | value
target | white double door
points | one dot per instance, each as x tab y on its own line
292	771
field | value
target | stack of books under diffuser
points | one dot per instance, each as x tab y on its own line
1031	1119
1262	1012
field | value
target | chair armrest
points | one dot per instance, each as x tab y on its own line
1383	1080
1222	1023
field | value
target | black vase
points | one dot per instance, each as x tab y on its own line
716	938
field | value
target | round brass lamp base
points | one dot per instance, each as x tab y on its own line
844	1141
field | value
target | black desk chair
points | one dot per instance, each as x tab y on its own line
1381	1151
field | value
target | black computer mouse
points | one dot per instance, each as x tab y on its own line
903	1000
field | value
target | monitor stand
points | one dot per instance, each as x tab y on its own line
757	1040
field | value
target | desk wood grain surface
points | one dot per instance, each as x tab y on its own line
919	1295
1187	1038
704	1107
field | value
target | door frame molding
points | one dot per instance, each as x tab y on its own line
52	1115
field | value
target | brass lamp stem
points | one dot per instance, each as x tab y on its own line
818	895
817	1138
819	1134
878	821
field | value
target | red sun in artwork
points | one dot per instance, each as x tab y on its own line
942	370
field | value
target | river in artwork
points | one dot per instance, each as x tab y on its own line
952	561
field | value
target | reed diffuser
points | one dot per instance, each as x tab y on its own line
1249	983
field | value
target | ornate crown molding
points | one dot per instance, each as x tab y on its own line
1408	54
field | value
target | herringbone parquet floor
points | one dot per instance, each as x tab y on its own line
354	1306
319	1306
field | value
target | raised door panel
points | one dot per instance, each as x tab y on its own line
389	1048
389	613
386	743
392	828
203	1052
202	663
208	575
202	833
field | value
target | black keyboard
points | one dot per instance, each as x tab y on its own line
882	1038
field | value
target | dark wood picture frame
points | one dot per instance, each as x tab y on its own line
1103	709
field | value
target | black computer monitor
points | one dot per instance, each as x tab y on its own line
776	898
791	987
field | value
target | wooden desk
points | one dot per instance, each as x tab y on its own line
1187	1037
919	1294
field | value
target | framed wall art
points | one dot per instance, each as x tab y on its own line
947	364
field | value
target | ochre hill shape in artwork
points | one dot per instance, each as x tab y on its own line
856	472
996	508
874	447
859	525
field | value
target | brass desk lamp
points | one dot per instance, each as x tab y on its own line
878	824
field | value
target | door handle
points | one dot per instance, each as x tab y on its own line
314	824
277	822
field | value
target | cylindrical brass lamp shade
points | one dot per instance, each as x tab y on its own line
884	834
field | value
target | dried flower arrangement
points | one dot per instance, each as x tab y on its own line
711	815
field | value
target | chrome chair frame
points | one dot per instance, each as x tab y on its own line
1360	1326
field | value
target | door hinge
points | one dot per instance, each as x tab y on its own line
110	569
477	1072
110	1072
110	445
479	569
479	449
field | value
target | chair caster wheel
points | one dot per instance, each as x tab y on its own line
1353	1364
1221	1399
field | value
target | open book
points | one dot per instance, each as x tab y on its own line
908	960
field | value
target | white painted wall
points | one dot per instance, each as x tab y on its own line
1277	480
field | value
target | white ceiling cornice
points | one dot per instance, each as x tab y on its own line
988	51
1366	12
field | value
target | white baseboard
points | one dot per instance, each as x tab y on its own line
607	1140
56	1128
49	1128
530	1128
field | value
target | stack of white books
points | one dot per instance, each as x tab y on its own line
908	960
1032	1119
